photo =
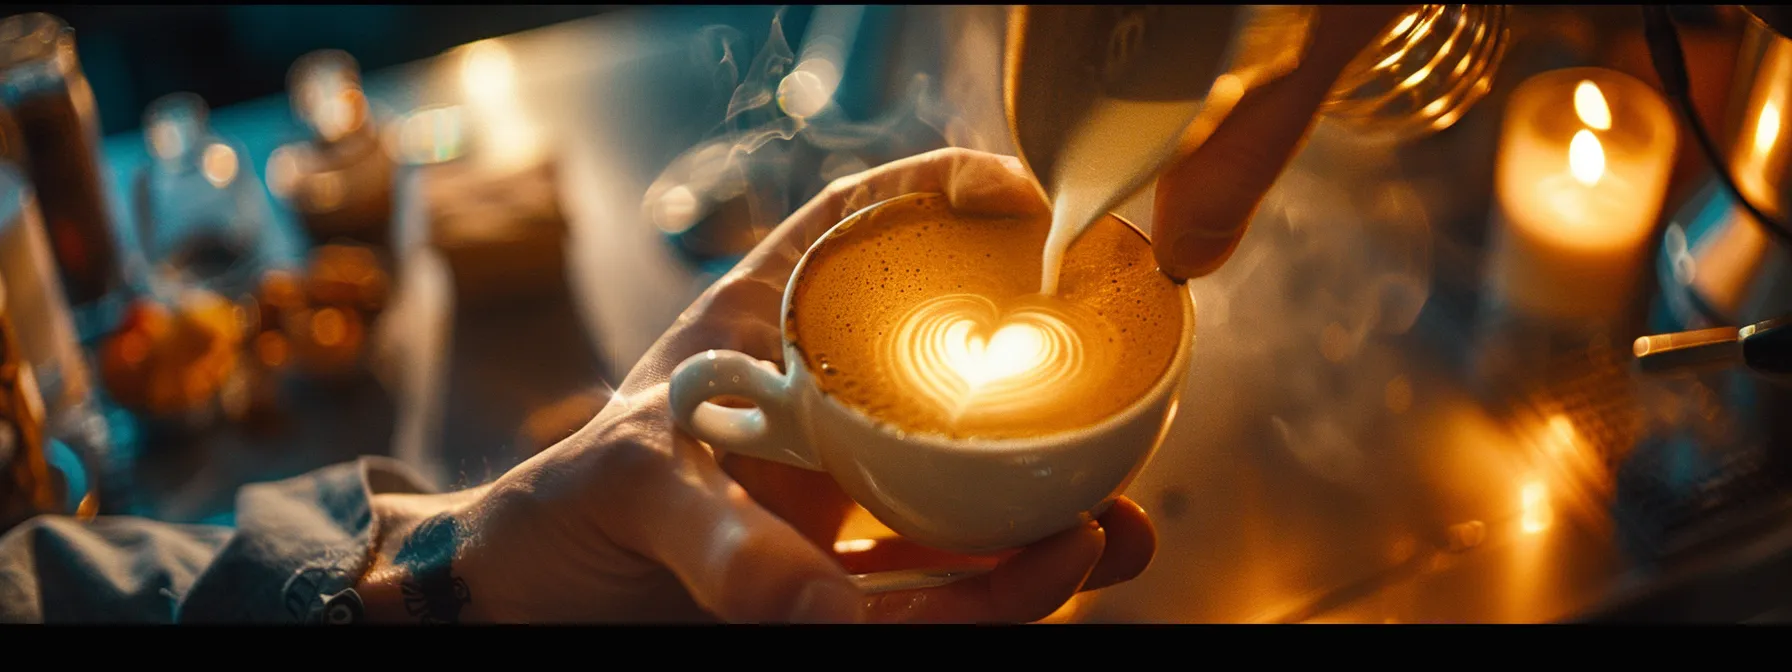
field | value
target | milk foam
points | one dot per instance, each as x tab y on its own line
932	322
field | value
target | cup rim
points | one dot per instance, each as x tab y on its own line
1171	378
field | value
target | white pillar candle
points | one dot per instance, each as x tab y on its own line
1584	161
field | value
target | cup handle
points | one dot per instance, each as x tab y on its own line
768	432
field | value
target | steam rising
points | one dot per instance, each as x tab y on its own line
1336	263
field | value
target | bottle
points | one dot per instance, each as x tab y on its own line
41	338
200	211
44	88
340	180
30	485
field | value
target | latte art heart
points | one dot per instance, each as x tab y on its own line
971	359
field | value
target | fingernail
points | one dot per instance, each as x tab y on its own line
826	601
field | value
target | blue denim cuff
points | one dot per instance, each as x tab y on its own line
299	548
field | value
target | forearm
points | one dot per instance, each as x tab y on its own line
417	572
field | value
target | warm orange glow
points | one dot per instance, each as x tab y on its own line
1416	77
1560	435
509	138
1581	204
1390	59
1406	22
328	327
1589	105
854	545
1586	159
487	71
284	168
1399	31
1334	342
1402	550
196	384
1538	513
1227	89
270	348
219	164
133	348
326	191
1398	394
337	113
1465	536
1070	611
1767	128
511	141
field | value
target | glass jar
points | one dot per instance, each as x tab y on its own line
43	86
200	212
53	417
340	180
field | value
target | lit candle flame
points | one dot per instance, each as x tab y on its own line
489	82
1586	159
1589	105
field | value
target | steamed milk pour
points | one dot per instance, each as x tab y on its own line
1100	98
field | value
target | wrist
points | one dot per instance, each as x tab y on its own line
420	547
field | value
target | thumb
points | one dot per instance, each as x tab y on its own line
738	561
1205	201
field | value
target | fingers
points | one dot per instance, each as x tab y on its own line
973	182
1025	587
1206	200
737	560
866	556
1131	543
811	501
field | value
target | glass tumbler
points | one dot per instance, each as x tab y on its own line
201	212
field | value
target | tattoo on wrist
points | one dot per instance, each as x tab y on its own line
431	590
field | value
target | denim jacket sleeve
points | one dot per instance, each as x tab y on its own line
296	542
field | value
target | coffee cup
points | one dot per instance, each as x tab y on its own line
957	494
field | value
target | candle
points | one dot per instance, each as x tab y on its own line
1584	162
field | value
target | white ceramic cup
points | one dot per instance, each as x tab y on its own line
958	495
